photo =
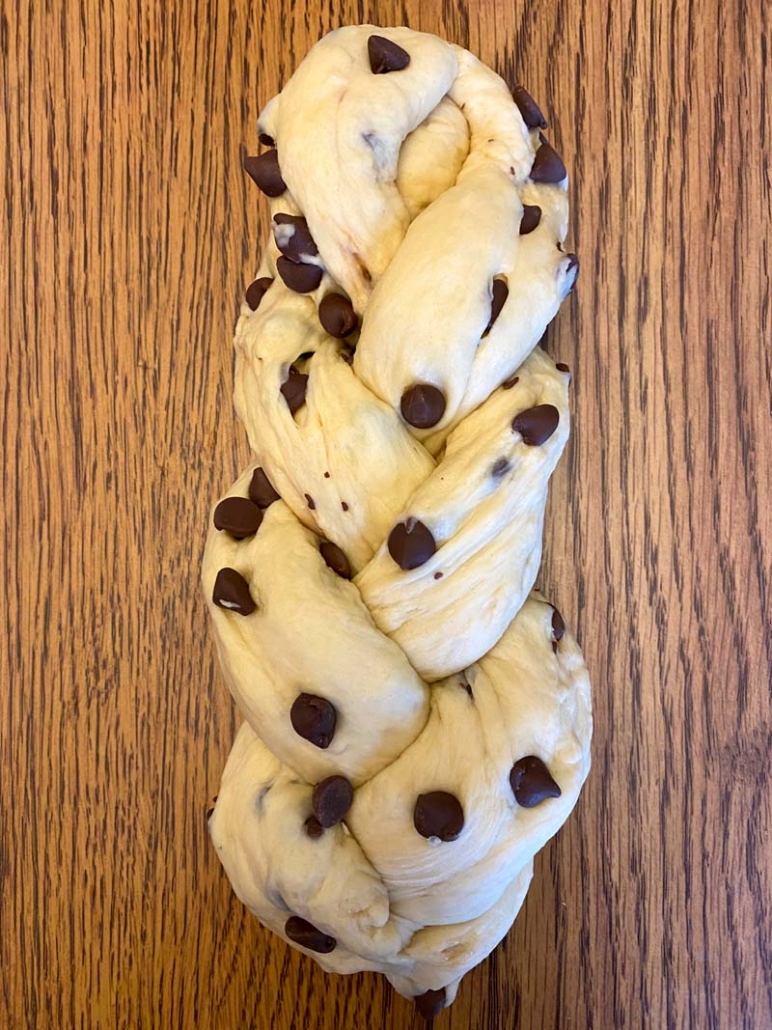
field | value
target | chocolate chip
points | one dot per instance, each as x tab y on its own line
344	506
296	244
411	544
500	294
238	516
294	389
531	218
307	936
536	425
529	109
313	827
561	366
265	171
422	405
531	782
313	718
231	591
310	502
266	140
336	559
500	468
261	491
257	290
558	628
300	278
327	475
438	575
547	165
337	315
386	56
431	1003
331	800
509	383
438	814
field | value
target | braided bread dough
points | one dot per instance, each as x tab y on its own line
418	718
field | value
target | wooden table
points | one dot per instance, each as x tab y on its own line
129	231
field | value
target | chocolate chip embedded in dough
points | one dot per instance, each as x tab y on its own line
335	559
529	109
411	544
261	490
531	782
558	628
337	315
231	591
536	425
509	383
438	814
238	516
257	290
308	936
266	140
331	800
298	243
500	468
300	278
265	171
386	56
422	405
438	575
344	506
500	292
548	165
561	366
431	1003
314	828
294	389
310	502
531	218
313	718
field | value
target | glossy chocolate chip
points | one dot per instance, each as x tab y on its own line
536	425
331	800
561	366
500	292
531	218
294	389
231	591
335	559
411	544
500	468
261	490
307	936
238	516
529	109
531	782
509	383
422	405
266	140
431	1003
558	628
386	56
548	165
314	828
265	171
299	278
313	718
337	315
257	290
438	814
295	242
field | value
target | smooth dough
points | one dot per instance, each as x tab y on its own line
371	575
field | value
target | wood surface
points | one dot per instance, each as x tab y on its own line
128	233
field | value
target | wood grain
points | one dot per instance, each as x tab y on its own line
128	233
